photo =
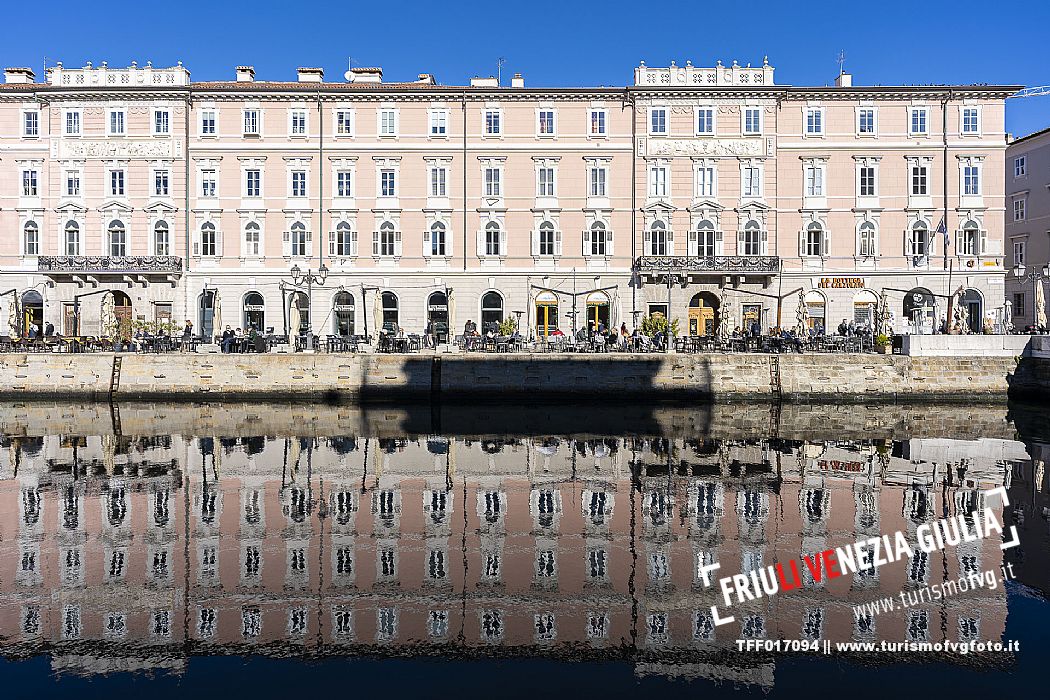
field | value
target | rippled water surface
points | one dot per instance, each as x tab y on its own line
503	552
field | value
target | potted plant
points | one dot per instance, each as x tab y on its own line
507	327
883	344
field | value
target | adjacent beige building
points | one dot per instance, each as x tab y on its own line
708	194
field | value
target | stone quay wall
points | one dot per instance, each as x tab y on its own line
364	377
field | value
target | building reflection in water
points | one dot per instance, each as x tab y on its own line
128	552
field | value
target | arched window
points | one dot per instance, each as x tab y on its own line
813	244
386	239
918	243
32	238
601	240
547	239
209	240
118	239
493	239
970	239
659	239
705	239
866	240
254	312
390	311
342	241
437	316
72	239
300	239
751	238
438	242
161	239
491	310
252	240
343	314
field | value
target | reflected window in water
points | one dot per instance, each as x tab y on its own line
344	562
252	562
703	626
436	564
160	507
386	624
71	622
918	626
752	627
491	625
437	624
546	564
206	619
343	622
251	622
252	507
596	565
344	505
115	571
116	625
597	626
117	506
208	557
813	624
297	621
30	506
388	562
161	626
546	630
658	626
31	620
70	509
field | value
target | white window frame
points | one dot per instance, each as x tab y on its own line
598	181
78	117
202	132
382	177
598	115
498	123
814	180
344	119
259	183
1020	251
304	114
744	111
110	113
912	112
395	122
665	119
203	178
157	173
497	192
30	181
819	122
154	130
298	179
979	173
437	117
123	178
1020	207
546	181
437	181
25	123
76	175
344	183
874	240
659	180
874	121
1021	166
875	180
710	178
255	226
758	180
255	123
962	120
539	122
696	120
912	168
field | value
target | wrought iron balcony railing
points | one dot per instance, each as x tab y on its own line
141	264
752	264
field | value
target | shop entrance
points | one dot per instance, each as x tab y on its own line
546	313
437	316
32	312
598	310
703	314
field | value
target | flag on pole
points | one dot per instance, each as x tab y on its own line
942	229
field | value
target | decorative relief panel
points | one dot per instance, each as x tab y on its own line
744	148
110	149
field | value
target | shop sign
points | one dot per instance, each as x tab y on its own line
840	466
841	283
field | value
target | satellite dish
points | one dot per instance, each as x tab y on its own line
349	75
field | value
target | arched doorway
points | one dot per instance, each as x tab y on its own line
703	314
816	312
971	306
299	314
546	313
437	316
920	310
123	313
206	314
343	314
865	305
598	310
32	312
491	310
390	312
254	312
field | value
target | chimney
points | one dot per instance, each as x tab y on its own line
844	80
19	76
426	79
245	74
366	75
310	75
517	81
484	82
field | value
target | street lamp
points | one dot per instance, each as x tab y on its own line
309	277
1036	277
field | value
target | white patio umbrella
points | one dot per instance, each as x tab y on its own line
295	318
108	317
377	314
801	316
13	325
1040	305
451	315
885	327
216	316
725	326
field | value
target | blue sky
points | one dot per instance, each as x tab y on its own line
554	43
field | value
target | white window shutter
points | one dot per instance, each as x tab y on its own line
427	249
331	244
907	247
353	243
196	241
670	242
481	244
719	248
586	242
309	243
218	243
983	240
286	244
449	237
740	242
609	242
801	244
375	244
503	241
647	242
765	242
535	243
397	244
692	247
958	242
825	243
557	242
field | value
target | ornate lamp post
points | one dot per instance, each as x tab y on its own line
309	277
1036	277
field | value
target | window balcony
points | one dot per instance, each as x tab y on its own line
715	264
110	265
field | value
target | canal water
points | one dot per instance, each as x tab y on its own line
504	552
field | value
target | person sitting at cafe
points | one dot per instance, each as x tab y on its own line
736	332
227	339
843	328
756	328
557	332
49	329
470	328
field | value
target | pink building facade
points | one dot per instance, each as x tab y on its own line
707	194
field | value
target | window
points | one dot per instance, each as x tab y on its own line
658	181
116	122
917	121
919	186
252	239
545	182
207	122
866	121
72	123
866	183
438	122
814	181
752	239
29	183
385	243
161	239
492	122
1019	209
597	180
344	123
1020	252
814	245
970	120
116	183
298	127
209	240
601	239
298	183
969	242
161	122
545	126
32	238
1018	303
492	182
597	122
437	182
387	122
72	183
752	182
752	120
72	238
493	236
251	122
866	240
30	123
546	238
207	183
705	239
344	184
658	239
438	244
971	180
658	120
160	183
387	183
918	243
705	181
299	239
118	242
705	120
814	121
1020	166
253	183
